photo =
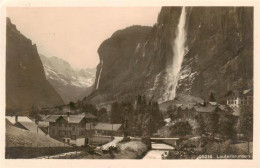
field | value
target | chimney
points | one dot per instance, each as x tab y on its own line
68	114
16	118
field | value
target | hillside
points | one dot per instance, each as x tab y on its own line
26	84
18	137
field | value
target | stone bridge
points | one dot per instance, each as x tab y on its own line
169	141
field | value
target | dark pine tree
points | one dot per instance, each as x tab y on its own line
246	123
211	97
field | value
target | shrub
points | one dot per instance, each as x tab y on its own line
223	148
181	128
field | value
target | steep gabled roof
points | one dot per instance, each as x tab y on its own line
74	119
248	92
69	119
31	126
52	118
90	116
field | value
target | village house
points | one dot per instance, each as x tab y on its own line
205	110
105	129
190	111
90	117
238	98
68	128
44	126
25	123
43	122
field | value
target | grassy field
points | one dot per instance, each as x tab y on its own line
98	140
131	150
19	137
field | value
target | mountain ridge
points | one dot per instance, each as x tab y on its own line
26	84
72	84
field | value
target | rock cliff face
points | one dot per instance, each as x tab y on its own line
26	84
71	84
219	55
122	63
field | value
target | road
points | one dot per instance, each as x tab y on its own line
112	143
62	155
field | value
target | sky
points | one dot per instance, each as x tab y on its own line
75	33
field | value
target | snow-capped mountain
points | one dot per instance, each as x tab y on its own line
70	83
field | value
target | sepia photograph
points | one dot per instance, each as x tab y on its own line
164	82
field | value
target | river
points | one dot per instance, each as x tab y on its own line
157	150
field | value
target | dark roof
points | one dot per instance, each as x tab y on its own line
103	126
70	119
52	118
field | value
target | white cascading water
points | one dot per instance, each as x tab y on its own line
178	47
99	74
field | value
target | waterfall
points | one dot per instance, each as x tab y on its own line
178	47
101	62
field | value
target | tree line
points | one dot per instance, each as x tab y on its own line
143	118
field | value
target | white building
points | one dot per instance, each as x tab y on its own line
240	98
